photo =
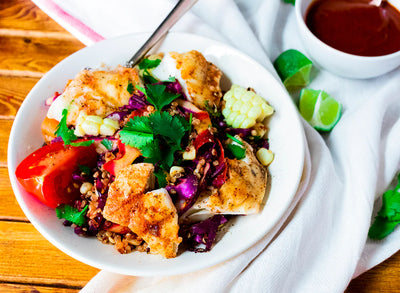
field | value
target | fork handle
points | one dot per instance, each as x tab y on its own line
176	13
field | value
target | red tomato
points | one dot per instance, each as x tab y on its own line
47	172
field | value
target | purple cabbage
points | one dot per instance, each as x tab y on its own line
174	87
186	190
204	233
136	102
243	132
118	115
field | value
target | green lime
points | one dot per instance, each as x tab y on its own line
294	69
319	109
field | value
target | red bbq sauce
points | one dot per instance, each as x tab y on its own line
355	26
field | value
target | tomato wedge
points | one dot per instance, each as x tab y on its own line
47	172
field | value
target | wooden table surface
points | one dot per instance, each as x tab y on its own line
30	44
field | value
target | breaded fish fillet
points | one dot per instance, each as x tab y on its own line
94	92
199	78
150	215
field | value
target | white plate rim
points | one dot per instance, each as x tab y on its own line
15	185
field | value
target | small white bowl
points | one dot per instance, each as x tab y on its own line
338	62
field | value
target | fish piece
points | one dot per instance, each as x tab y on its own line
151	215
94	92
199	78
129	185
155	220
243	191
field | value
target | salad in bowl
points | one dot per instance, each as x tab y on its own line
156	158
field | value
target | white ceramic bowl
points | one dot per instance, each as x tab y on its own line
338	62
286	141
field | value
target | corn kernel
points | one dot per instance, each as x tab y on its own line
111	122
175	171
90	128
107	130
86	187
189	154
94	119
243	108
265	156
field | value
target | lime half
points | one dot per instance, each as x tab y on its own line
294	69
319	109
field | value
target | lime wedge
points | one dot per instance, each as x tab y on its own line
319	109
294	69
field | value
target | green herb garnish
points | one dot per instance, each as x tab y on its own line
236	151
82	143
161	176
158	136
72	214
388	216
158	96
234	139
85	169
107	143
130	88
63	131
290	1
147	64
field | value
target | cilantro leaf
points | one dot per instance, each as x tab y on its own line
107	143
158	136
130	88
148	78
163	123
148	64
236	151
388	216
381	228
72	214
63	131
161	176
85	143
290	1
137	132
84	169
158	96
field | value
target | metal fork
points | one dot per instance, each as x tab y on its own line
176	13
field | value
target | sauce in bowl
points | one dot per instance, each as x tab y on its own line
355	26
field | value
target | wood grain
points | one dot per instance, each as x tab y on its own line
383	278
34	53
9	208
22	288
5	128
29	258
25	15
13	90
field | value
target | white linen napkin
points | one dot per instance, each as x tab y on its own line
321	243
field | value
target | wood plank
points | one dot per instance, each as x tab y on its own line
13	91
21	288
382	278
5	128
9	208
34	53
23	14
28	258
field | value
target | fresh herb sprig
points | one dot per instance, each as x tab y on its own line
157	95
63	131
147	64
72	214
158	136
389	215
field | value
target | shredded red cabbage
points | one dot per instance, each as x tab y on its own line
186	190
204	233
136	102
